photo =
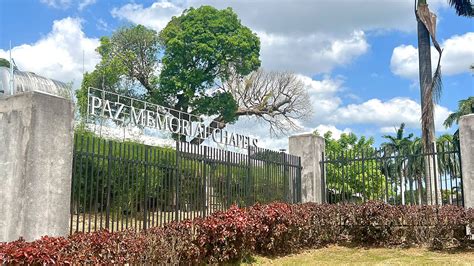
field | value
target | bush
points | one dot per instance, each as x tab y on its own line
276	228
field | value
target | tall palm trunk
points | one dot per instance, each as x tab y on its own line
427	106
402	182
412	191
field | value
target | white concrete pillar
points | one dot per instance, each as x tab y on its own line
310	148
36	142
466	141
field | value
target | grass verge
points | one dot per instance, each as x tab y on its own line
339	255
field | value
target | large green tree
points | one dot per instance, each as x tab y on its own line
180	67
204	62
202	48
196	50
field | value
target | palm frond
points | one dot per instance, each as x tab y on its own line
450	120
462	7
437	87
465	107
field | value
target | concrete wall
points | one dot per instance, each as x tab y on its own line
36	137
466	139
309	147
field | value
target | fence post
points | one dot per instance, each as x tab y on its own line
364	194
466	139
286	183
309	148
145	195
249	192
109	169
36	136
299	194
206	183
323	177
177	181
228	178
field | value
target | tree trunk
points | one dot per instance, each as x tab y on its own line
427	121
402	184
420	190
412	191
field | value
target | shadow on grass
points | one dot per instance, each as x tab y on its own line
464	248
454	250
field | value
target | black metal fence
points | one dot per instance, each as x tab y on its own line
406	178
121	185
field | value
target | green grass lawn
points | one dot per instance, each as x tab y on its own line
337	255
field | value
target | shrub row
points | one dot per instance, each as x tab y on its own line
276	228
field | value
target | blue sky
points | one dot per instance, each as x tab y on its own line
358	61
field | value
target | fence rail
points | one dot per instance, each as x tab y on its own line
122	185
407	178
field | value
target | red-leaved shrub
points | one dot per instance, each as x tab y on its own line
271	229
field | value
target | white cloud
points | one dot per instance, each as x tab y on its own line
323	97
404	61
458	55
63	4
310	54
155	16
389	130
84	3
337	18
102	25
387	114
336	133
329	109
59	54
326	86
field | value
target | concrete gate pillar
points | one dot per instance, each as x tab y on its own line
310	148
36	137
466	141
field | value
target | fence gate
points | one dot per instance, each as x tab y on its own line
410	178
121	185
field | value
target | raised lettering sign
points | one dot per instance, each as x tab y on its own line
122	109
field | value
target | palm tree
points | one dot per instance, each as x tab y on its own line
399	145
415	169
465	107
431	86
427	86
449	164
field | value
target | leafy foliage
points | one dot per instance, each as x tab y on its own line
203	47
346	176
4	63
180	67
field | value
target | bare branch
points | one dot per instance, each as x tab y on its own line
278	98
